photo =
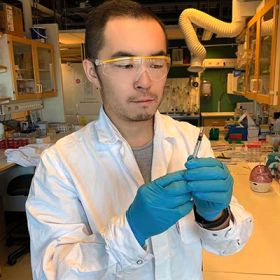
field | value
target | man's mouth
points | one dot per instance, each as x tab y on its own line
147	100
142	99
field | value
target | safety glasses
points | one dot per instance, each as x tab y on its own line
133	66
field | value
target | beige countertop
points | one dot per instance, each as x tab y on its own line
237	276
4	165
261	256
216	114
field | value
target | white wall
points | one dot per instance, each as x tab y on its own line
80	97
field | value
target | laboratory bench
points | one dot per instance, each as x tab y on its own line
237	276
260	258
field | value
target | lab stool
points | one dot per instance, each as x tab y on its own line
18	234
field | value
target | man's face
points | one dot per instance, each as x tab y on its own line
126	97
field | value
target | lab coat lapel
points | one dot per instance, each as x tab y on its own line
163	147
161	157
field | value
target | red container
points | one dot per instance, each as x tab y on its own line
3	144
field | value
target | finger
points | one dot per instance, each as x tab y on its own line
177	188
190	157
184	209
202	162
210	186
206	173
170	178
215	197
176	201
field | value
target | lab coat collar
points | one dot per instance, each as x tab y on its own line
164	127
107	133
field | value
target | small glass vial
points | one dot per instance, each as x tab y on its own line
253	152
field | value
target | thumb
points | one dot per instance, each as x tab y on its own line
190	157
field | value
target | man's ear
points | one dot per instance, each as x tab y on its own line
91	74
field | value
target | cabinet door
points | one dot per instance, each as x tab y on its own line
267	54
261	54
45	71
252	52
23	69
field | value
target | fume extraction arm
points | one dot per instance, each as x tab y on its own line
188	17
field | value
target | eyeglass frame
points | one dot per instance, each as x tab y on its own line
99	62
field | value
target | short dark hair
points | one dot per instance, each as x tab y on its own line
99	16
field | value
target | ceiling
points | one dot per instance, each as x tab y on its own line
72	14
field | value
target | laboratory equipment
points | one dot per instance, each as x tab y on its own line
253	151
198	142
260	178
206	88
214	133
2	131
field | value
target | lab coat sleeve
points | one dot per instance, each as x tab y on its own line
63	246
231	239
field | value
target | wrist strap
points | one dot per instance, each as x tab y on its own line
226	215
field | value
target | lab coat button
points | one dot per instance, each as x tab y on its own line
139	262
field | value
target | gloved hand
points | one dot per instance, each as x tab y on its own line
158	205
211	185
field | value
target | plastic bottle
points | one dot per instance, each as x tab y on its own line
1	131
236	113
276	127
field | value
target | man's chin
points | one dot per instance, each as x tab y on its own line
142	117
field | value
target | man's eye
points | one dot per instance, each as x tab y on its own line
124	65
156	65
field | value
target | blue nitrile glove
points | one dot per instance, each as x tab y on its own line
211	185
158	205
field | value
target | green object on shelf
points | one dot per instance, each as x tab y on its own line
214	134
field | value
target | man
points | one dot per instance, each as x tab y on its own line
114	200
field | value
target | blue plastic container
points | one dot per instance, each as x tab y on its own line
237	130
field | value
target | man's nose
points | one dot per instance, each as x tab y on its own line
143	79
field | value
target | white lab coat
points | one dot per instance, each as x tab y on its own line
78	199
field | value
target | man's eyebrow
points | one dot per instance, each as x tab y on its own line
121	54
124	54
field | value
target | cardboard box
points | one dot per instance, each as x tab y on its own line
11	20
